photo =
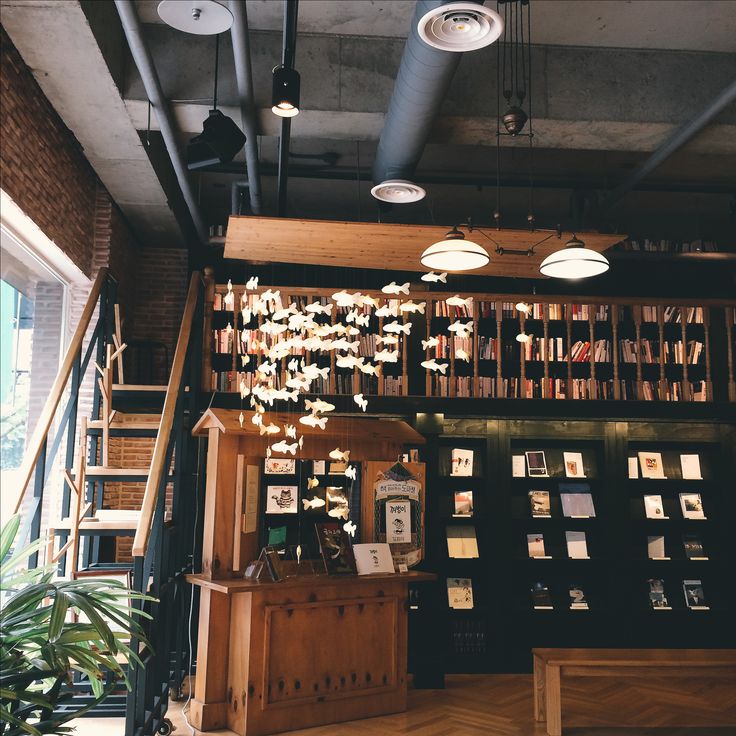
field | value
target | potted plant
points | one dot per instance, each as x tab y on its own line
51	628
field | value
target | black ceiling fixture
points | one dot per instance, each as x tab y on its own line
220	139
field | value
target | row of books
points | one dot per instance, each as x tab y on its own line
669	246
691	544
443	309
674	352
463	385
448	346
672	314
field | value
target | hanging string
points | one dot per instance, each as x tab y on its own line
531	130
217	64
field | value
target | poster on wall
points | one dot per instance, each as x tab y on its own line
398	522
281	499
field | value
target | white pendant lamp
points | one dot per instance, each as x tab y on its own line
201	17
574	261
455	253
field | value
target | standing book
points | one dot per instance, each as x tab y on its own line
574	464
373	558
461	542
651	465
578	601
655	548
657	597
694	596
693	547
463	503
577	547
577	505
334	545
539	502
692	506
536	464
535	545
690	465
653	506
541	599
462	462
460	593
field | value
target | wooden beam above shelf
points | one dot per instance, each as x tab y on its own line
385	246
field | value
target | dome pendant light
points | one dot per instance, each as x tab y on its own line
455	253
574	261
285	92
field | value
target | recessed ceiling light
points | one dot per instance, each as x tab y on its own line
462	26
574	261
455	253
201	17
398	191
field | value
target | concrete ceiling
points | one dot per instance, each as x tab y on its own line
612	80
688	25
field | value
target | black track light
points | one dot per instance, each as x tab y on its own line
218	142
285	94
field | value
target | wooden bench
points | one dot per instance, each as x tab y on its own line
552	665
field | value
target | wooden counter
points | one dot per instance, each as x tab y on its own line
304	652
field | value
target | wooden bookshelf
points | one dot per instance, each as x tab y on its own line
579	349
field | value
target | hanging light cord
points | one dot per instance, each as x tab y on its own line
217	65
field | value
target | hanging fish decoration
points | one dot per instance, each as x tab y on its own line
269	429
343	299
394	288
351	472
312	483
397	327
460	329
433	277
338	454
317	308
313	503
389	310
433	342
284	447
318	405
252	283
461	354
312	420
290	431
433	365
350	528
412	307
360	401
458	301
386	339
387	356
339	512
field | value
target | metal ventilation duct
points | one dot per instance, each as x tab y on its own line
421	84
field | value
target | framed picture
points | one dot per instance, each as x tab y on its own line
281	499
279	466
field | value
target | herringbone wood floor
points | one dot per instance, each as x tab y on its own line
501	705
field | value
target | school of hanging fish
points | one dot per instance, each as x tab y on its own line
285	330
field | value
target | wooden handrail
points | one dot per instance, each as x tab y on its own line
158	459
43	425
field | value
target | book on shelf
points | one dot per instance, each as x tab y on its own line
540	504
694	595
578	601
536	463
574	467
577	546
463	501
335	548
373	558
462	542
656	548
651	465
577	504
633	464
657	596
462	462
541	599
628	350
518	466
535	545
653	507
693	546
692	506
690	465
460	593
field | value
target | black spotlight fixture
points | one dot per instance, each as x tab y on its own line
220	139
285	92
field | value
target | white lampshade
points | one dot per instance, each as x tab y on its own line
574	261
455	253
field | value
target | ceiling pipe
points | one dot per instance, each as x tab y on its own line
681	136
147	70
235	191
291	12
244	78
424	76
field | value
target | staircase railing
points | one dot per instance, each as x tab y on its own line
163	548
41	453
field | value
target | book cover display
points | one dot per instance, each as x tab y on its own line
578	601
282	499
693	547
535	545
577	546
335	548
460	593
694	595
541	599
653	507
692	506
536	464
576	505
690	466
462	462
651	465
657	598
373	558
574	467
539	503
462	542
463	502
655	548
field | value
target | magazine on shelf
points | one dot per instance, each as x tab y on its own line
518	466
577	546
655	548
692	506
462	462
578	602
541	598
574	467
462	542
536	463
540	504
694	549
694	596
633	468
463	503
460	593
651	465
653	506
657	597
577	505
535	545
373	558
690	465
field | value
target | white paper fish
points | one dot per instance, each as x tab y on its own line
313	503
386	339
284	447
293	365
273	328
312	420
343	344
338	454
433	342
398	327
300	322
339	512
298	382
351	472
394	288
290	431
244	360
387	356
314	371
360	401
270	296
269	429
349	361
412	307
267	369
317	308
368	300
433	365
389	310
363	320
284	313
434	277
259	307
257	419
252	283
318	405
370	369
461	330
461	354
343	299
241	418
312	483
246	314
350	528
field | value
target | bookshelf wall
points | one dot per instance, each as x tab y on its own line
497	634
576	349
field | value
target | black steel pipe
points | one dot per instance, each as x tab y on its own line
291	12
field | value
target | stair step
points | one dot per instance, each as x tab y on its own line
101	471
139	425
138	387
